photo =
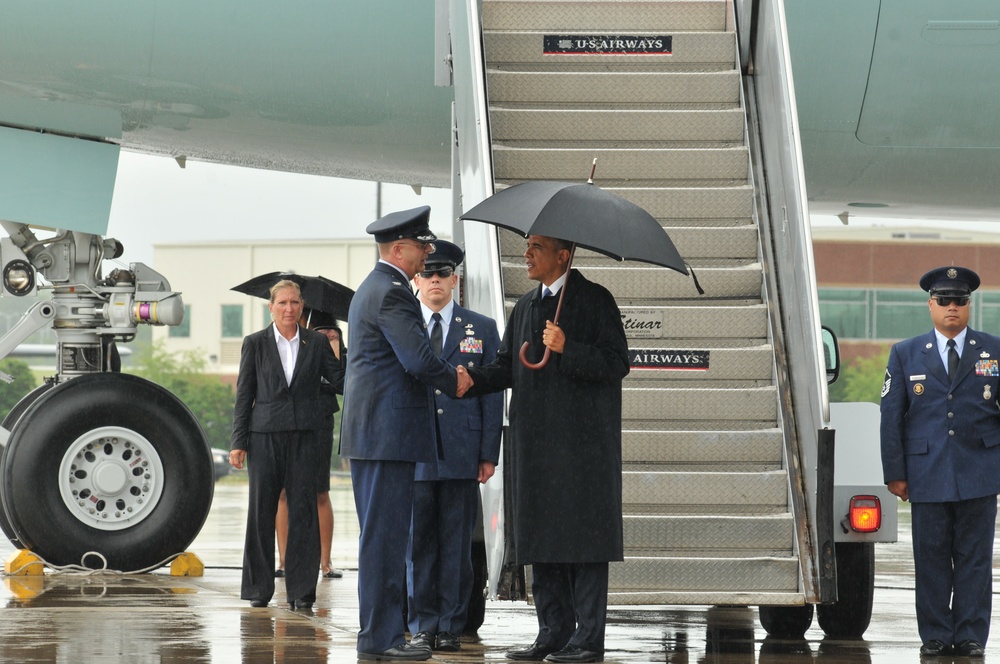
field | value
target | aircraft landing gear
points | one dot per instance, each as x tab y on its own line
109	463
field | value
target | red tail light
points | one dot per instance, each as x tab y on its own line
865	514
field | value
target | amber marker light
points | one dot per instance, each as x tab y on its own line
865	514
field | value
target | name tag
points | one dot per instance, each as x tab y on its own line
919	377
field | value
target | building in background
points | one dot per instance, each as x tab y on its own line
867	279
216	318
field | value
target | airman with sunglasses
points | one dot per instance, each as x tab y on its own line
940	436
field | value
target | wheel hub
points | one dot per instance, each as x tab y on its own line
111	478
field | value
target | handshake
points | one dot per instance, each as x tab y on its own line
464	381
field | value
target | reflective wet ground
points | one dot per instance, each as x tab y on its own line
156	618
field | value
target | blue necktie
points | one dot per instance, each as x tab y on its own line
546	292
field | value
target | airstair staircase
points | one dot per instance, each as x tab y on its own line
708	499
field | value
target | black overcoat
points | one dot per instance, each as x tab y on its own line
564	441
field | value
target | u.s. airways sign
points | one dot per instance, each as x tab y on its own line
674	360
607	45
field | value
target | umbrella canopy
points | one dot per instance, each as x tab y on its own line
319	293
584	214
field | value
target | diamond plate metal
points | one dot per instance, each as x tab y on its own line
754	363
693	403
709	50
644	15
723	448
541	87
619	124
658	164
712	599
649	535
715	492
705	574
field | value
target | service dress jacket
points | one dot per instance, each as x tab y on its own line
388	401
942	437
564	441
470	427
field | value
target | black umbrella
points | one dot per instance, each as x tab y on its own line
583	214
319	293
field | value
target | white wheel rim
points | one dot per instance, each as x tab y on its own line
111	478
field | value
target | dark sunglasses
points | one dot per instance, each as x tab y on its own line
443	272
943	301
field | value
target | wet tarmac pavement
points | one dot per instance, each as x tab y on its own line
106	617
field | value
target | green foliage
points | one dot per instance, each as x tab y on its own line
24	382
861	379
210	399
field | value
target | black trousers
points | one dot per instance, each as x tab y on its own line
276	461
571	602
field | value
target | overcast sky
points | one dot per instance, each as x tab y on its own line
156	202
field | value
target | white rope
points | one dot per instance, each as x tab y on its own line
90	571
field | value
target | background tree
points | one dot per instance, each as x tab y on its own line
24	382
861	379
210	399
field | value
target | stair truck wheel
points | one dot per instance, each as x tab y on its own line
108	463
851	615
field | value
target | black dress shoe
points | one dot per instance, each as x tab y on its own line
423	640
404	652
448	642
536	652
970	648
279	573
258	603
934	648
575	654
302	605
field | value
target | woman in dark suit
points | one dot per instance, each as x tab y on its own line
275	427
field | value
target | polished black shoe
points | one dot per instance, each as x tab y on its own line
302	605
423	640
575	654
405	652
970	648
279	573
934	648
258	603
333	574
536	652
448	642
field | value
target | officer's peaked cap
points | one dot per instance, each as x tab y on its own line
405	224
445	253
951	280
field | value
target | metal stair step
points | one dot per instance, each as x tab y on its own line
723	574
674	492
757	404
523	124
656	535
644	164
603	15
763	447
642	283
711	322
716	601
700	51
616	88
745	363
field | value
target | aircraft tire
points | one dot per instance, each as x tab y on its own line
851	615
107	463
786	622
8	424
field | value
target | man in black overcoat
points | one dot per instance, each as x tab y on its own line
564	449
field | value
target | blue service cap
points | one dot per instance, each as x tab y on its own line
950	280
445	253
412	224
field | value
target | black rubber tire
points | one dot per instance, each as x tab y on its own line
477	598
49	426
8	423
786	622
851	615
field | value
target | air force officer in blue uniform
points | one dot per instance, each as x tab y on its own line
388	423
941	451
446	495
